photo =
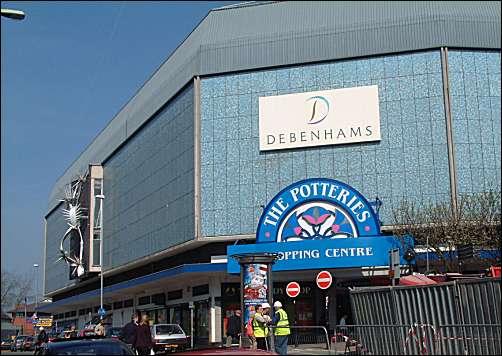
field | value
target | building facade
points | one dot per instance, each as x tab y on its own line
179	174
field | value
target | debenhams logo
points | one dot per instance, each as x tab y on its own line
320	109
318	113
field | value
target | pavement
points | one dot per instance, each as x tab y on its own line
309	350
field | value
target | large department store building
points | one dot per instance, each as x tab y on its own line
400	100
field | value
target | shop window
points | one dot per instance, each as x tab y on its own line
118	305
67	314
144	300
81	312
200	290
73	313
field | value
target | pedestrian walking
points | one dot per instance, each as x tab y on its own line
259	328
234	328
42	338
128	332
99	330
143	342
42	335
250	332
282	331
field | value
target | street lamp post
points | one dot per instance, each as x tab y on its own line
13	14
35	265
101	197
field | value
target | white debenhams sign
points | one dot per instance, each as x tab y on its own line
317	118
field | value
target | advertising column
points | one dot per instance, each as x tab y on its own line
256	284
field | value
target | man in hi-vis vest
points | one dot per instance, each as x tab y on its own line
260	329
282	330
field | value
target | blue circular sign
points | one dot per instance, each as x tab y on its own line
316	209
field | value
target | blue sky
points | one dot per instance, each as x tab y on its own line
67	69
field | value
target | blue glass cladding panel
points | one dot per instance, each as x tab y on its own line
475	79
411	160
149	183
56	273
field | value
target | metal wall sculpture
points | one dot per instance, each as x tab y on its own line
74	214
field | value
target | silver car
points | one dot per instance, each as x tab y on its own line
168	337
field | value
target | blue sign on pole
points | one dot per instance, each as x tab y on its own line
101	312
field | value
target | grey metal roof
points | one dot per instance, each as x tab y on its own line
266	34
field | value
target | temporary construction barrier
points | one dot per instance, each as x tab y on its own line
454	317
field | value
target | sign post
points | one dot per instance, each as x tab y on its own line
324	279
394	265
293	289
191	305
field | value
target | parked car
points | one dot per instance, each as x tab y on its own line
28	344
86	346
66	334
113	332
52	336
168	337
18	342
6	343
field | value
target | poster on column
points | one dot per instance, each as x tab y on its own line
255	280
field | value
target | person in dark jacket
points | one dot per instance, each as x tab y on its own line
234	328
42	338
143	342
128	332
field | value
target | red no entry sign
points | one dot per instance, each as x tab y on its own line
324	280
292	289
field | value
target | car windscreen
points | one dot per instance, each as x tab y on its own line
167	329
89	349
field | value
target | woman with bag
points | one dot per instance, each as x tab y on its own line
143	342
250	332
